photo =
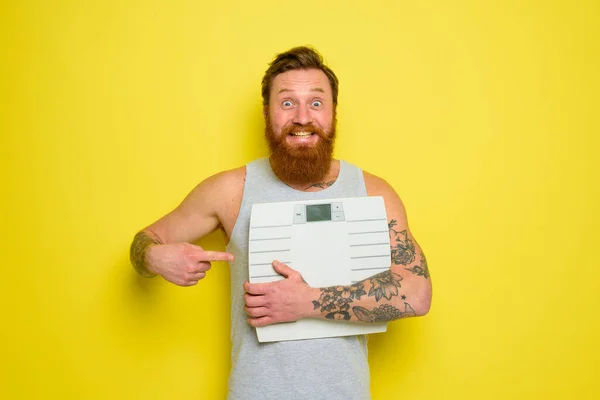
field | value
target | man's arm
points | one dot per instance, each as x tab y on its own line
164	248
402	291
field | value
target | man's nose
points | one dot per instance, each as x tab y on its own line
302	116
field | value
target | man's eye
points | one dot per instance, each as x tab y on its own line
287	103
317	103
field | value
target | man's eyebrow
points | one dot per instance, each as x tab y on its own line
312	90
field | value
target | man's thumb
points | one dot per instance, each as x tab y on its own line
282	269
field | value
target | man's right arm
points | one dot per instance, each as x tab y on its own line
164	248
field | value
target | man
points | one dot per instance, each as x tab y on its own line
299	106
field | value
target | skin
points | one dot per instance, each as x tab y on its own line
301	97
163	248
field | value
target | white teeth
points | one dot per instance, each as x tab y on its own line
303	134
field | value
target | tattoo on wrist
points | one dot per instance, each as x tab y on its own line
383	313
137	254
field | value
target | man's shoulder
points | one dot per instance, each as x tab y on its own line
218	190
226	181
376	185
230	175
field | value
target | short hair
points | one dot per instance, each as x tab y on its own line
302	57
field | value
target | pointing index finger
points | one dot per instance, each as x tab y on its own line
218	256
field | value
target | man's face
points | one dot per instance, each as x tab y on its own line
300	125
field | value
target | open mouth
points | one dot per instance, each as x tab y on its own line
302	134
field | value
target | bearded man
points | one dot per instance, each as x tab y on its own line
299	105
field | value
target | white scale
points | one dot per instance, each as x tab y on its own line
330	242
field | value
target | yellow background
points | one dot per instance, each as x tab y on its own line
483	116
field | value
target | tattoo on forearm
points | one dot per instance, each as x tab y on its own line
383	313
384	285
403	249
420	270
137	253
335	300
321	185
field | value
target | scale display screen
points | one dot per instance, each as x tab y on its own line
318	212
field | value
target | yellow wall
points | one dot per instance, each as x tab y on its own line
483	117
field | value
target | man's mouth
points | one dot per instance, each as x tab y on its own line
302	134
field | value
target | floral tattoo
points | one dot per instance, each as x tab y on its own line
403	249
420	270
383	313
335	300
384	285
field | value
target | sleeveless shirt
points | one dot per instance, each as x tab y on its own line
314	369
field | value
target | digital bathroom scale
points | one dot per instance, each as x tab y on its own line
330	242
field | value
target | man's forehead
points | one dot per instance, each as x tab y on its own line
311	80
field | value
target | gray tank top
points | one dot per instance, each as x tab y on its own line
329	368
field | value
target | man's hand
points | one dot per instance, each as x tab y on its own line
182	263
286	300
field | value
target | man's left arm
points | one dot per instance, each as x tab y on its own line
402	291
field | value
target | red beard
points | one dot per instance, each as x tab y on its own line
300	164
